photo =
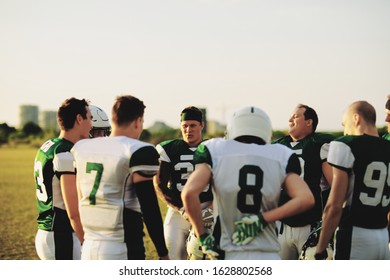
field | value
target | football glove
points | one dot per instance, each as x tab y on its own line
208	218
247	228
206	241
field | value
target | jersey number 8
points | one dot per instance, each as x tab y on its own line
249	196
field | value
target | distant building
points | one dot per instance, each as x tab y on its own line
215	127
28	113
204	112
48	120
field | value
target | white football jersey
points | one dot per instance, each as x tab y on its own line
247	178
104	167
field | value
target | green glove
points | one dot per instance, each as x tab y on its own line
247	228
206	241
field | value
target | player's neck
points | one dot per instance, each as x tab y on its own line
70	136
372	131
123	131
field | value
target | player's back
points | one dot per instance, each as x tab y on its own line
50	162
103	168
247	179
367	160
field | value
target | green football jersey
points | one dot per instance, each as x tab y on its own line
52	160
312	152
179	155
367	161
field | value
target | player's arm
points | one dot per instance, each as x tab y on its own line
326	167
151	212
143	166
70	196
327	171
195	185
301	200
63	164
334	207
160	182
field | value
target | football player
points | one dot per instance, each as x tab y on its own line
359	200
387	111
387	137
311	148
100	123
176	165
246	174
107	169
55	180
132	217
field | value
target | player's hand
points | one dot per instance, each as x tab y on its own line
206	241
321	256
247	228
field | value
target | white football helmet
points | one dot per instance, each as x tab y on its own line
194	250
100	121
250	121
309	248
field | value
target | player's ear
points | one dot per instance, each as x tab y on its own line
79	118
356	119
309	122
139	122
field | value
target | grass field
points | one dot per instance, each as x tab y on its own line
18	210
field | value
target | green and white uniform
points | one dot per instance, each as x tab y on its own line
247	178
104	168
178	156
362	232
312	152
55	238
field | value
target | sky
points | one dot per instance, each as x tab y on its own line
215	54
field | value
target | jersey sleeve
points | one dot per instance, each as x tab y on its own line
341	156
202	155
63	163
324	139
293	165
324	151
145	161
162	153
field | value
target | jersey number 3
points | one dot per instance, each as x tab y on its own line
249	196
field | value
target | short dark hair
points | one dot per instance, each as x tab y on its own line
126	109
387	106
68	111
191	113
310	114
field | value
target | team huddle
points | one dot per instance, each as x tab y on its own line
307	195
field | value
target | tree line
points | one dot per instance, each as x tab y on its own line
32	134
